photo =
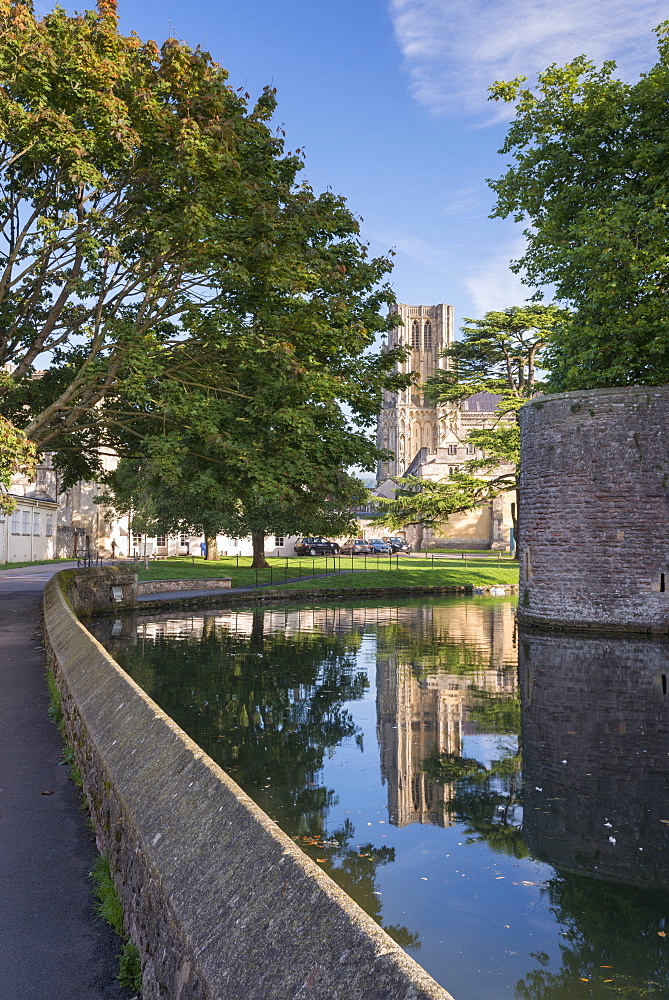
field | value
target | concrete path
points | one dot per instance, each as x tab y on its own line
52	946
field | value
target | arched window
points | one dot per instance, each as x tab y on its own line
427	336
415	335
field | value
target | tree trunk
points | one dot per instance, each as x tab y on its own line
259	561
212	548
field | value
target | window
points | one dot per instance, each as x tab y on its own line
16	522
36	520
278	541
161	540
183	539
25	527
49	525
427	336
452	449
415	335
136	539
471	449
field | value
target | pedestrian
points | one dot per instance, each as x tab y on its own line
113	548
203	549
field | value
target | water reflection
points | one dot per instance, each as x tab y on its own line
595	729
386	740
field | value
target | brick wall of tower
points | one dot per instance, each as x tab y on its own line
594	509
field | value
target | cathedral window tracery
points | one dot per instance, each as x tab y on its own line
427	336
415	335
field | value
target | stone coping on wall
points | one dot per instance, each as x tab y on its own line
219	901
615	390
164	586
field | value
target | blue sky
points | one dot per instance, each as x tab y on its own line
388	100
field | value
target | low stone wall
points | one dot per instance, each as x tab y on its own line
221	904
165	586
100	588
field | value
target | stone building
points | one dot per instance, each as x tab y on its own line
431	442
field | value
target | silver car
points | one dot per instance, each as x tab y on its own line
356	547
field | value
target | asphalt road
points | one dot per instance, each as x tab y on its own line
52	945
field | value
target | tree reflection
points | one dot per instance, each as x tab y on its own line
355	868
266	707
613	943
487	800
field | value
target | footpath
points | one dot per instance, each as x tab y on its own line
53	947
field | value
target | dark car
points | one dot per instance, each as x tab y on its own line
399	545
316	546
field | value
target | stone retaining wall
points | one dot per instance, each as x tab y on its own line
594	509
165	586
221	904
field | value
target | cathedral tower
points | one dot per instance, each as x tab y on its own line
408	421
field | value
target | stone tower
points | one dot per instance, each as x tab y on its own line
408	422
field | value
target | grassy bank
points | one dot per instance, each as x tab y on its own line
401	573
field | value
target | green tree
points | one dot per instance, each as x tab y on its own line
255	440
137	190
498	354
17	454
588	177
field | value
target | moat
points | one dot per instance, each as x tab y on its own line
498	801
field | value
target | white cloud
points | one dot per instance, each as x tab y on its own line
493	285
455	49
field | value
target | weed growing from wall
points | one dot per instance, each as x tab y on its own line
109	904
110	909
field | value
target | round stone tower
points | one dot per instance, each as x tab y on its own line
594	509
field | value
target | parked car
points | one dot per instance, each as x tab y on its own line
379	547
356	547
399	545
315	546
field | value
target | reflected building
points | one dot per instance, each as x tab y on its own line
595	740
415	719
422	708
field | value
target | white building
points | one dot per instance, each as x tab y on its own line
28	534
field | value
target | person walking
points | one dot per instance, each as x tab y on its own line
203	549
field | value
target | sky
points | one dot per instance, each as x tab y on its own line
388	98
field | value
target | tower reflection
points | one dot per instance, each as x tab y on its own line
595	739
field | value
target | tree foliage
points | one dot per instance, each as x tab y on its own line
137	188
203	314
255	441
17	454
588	178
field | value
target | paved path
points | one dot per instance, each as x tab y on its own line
52	947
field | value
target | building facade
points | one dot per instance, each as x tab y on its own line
432	442
408	421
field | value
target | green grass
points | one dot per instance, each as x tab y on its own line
406	578
457	553
411	572
35	562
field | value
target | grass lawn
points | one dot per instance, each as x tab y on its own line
35	562
405	573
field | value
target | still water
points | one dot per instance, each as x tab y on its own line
498	801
